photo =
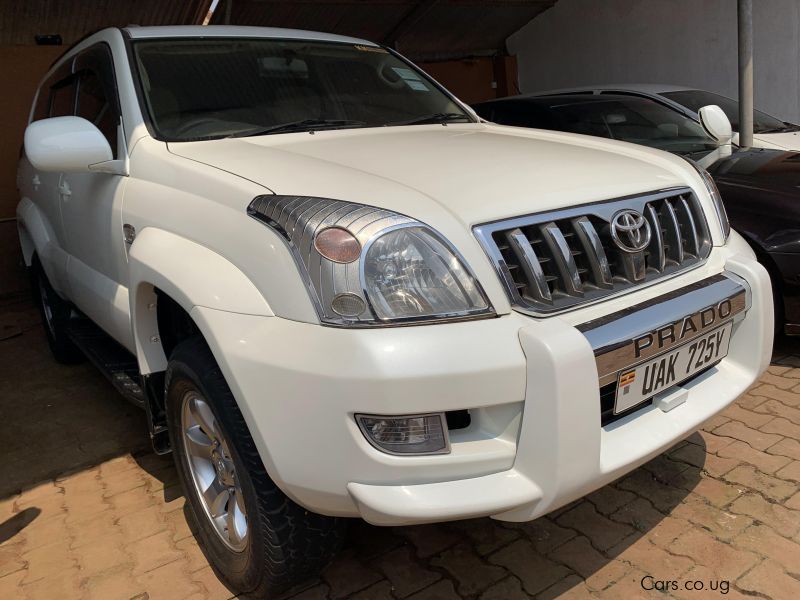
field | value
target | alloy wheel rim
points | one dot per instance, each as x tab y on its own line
213	472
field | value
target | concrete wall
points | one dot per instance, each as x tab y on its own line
685	42
22	67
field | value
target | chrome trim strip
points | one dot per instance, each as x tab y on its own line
617	338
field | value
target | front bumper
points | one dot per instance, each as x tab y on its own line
535	442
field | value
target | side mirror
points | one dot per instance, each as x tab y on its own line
66	144
717	125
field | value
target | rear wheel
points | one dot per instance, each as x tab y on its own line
258	540
55	313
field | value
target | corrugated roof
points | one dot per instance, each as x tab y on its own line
420	29
21	20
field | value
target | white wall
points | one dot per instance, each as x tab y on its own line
684	42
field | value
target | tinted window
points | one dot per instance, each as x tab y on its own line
94	106
41	110
62	98
637	120
630	119
214	87
97	93
694	100
518	114
58	81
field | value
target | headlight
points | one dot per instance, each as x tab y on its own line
366	266
719	206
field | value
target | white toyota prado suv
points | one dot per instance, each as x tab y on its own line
337	293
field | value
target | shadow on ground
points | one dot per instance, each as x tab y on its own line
55	418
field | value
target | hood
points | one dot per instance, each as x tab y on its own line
789	140
762	169
476	172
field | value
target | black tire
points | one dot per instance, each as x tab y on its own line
286	544
55	313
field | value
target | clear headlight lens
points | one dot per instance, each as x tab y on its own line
719	205
366	266
410	273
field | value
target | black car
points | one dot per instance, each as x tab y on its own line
760	187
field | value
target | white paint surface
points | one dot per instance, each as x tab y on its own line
686	42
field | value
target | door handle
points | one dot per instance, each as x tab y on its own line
64	189
36	181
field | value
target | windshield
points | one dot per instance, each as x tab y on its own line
635	120
694	100
221	87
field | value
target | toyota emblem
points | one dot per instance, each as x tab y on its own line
630	231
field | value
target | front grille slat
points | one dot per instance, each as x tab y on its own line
657	254
672	232
689	228
569	278
633	266
557	260
594	252
536	282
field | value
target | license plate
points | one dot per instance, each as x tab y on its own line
644	381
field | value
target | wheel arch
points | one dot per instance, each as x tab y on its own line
33	233
775	275
184	274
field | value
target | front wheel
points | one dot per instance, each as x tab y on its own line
258	540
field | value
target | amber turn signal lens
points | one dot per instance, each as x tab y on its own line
338	245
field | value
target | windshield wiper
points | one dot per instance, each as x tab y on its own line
302	125
434	118
788	127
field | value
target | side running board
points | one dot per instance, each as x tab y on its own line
122	370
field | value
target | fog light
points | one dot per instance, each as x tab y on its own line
406	434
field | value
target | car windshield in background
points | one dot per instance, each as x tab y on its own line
635	120
696	99
223	87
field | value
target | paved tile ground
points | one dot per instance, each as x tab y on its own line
86	511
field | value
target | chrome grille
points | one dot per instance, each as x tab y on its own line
556	260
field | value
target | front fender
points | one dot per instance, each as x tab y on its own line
192	275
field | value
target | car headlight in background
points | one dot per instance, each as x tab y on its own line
719	205
367	266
